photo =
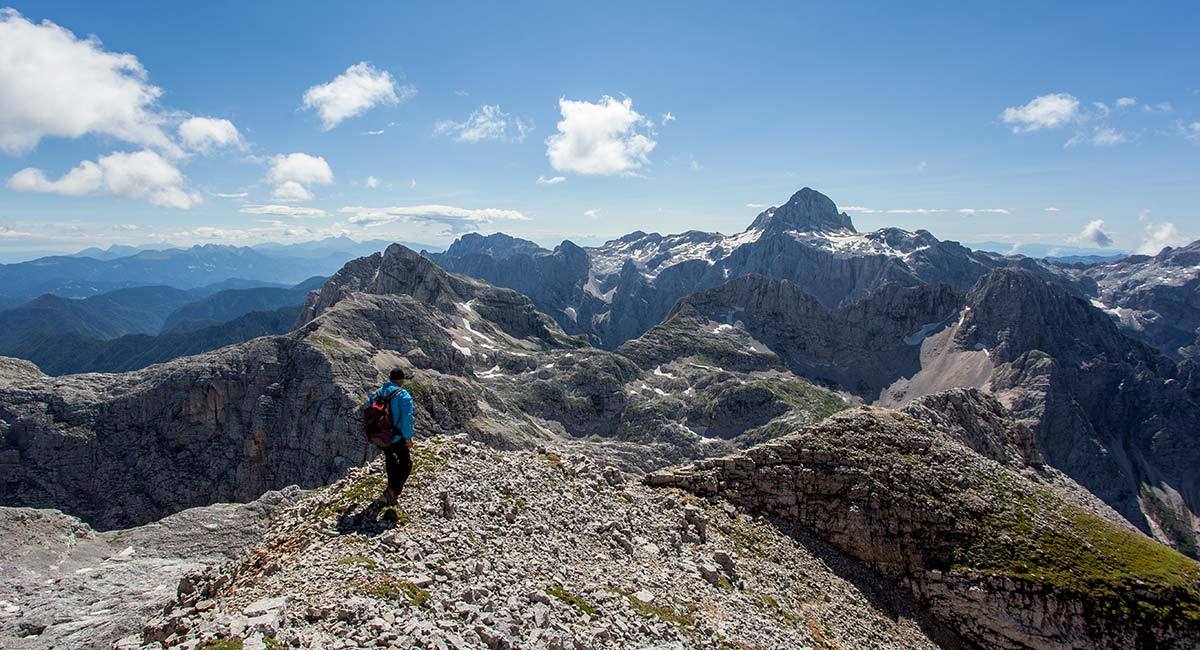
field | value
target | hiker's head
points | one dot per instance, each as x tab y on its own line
397	376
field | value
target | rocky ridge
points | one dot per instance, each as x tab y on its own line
995	550
520	549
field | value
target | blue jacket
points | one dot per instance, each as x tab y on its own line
401	404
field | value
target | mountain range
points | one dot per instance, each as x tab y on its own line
986	450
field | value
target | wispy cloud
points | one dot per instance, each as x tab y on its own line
294	211
553	180
488	122
1042	112
456	219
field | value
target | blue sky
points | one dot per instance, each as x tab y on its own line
968	121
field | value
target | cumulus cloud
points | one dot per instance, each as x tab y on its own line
293	211
1158	236
1042	112
553	180
667	117
592	213
357	90
205	134
294	172
1123	102
1094	233
455	219
55	84
601	138
372	182
487	122
137	175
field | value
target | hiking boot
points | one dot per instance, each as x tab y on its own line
389	497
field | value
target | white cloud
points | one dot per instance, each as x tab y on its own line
485	123
1101	136
379	132
138	175
292	173
1094	233
292	192
915	210
293	211
1051	209
204	134
1159	235
1191	131
1122	102
848	208
1161	107
372	182
9	233
1043	112
231	195
974	211
454	218
302	168
553	180
667	117
599	138
592	214
55	84
695	165
360	88
758	206
83	179
127	227
412	183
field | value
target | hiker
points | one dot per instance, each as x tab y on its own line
388	424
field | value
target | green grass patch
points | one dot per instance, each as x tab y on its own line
574	600
776	610
1039	538
221	644
361	561
388	588
552	459
664	613
366	489
273	644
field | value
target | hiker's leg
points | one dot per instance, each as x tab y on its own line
404	464
395	473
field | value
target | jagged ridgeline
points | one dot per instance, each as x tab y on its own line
1012	500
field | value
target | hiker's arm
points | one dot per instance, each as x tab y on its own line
406	416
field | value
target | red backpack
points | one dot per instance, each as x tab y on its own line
377	420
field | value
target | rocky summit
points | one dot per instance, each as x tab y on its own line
799	436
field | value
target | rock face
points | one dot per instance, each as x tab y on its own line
993	550
123	449
1155	299
516	550
68	586
618	291
1112	413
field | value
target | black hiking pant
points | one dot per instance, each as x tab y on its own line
399	465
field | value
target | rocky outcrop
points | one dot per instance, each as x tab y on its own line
991	551
517	550
66	585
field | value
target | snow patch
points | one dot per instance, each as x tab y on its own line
466	352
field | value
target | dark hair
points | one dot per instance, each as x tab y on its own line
397	375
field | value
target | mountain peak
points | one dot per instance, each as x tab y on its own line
807	210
